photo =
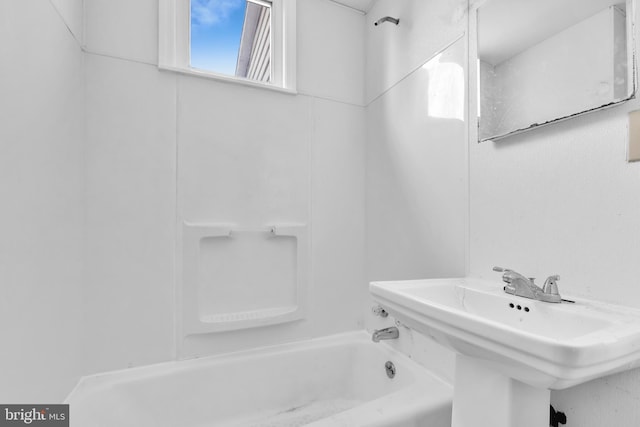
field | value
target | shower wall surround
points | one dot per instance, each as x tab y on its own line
416	152
166	149
249	171
41	188
131	192
416	133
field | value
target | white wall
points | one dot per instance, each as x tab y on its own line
416	155
395	51
41	185
562	199
161	149
416	152
130	224
71	12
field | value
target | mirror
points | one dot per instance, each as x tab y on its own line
542	61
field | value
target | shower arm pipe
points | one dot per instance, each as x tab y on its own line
387	19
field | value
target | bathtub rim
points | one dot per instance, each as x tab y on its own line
359	337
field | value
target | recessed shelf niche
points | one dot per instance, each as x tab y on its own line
237	277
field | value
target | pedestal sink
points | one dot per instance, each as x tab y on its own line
511	350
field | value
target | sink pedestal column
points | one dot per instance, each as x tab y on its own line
484	397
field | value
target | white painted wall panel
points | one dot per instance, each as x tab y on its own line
330	51
393	51
244	154
122	29
571	207
72	12
338	212
416	168
244	159
301	160
130	195
41	215
416	155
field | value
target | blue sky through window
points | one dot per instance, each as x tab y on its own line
216	28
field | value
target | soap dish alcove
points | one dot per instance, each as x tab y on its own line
240	277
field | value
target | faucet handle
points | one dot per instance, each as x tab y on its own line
505	275
551	286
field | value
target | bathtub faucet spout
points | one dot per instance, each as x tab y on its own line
385	334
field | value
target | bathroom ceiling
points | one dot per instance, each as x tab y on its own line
362	5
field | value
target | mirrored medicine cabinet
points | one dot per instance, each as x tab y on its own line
543	61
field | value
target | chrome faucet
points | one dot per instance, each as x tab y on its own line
522	286
385	334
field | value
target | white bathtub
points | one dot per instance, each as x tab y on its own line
335	381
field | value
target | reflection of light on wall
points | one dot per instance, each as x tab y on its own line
446	89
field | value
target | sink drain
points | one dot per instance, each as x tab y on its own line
391	369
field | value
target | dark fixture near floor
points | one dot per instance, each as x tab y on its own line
556	417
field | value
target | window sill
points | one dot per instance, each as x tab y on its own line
227	79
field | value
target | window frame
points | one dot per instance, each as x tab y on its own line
174	44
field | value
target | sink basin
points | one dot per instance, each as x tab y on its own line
544	345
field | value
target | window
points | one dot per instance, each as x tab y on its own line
248	41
